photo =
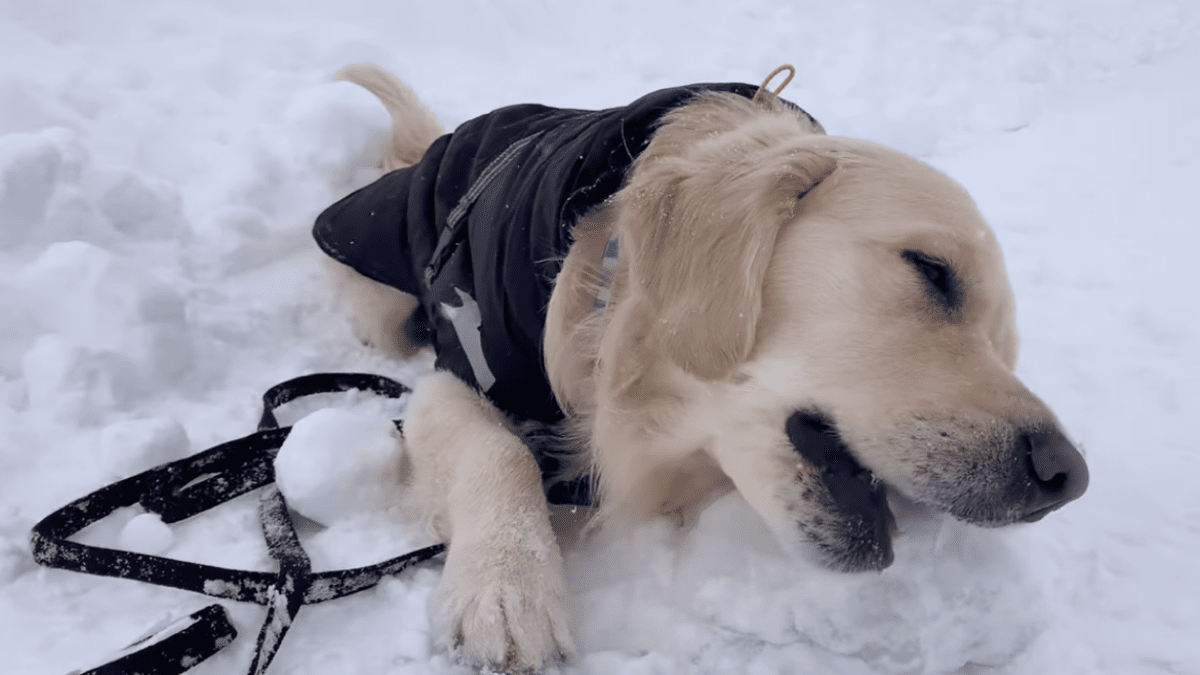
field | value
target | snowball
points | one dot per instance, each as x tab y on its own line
146	533
132	446
336	463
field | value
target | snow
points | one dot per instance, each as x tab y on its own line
131	446
161	164
146	533
338	463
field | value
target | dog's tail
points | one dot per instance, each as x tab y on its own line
414	127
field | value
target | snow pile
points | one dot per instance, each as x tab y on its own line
956	595
160	166
129	447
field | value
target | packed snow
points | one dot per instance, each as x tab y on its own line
161	164
146	533
337	463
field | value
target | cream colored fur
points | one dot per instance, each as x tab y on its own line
502	598
501	601
414	128
761	272
379	312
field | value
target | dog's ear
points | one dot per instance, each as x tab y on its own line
698	221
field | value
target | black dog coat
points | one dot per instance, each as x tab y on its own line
478	230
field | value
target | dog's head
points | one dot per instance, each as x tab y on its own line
846	295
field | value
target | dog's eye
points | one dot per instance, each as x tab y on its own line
942	283
934	270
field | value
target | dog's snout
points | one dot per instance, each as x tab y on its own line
1058	471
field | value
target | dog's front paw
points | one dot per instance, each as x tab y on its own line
503	606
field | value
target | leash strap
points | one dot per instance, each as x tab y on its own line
324	383
194	639
183	488
451	230
295	571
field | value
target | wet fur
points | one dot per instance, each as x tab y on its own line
765	268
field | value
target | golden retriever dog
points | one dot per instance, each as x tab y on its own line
821	323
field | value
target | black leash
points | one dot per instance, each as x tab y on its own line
184	488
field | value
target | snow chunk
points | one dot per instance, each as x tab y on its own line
146	533
15	559
132	446
82	383
28	107
141	206
116	332
337	463
73	382
337	128
29	167
15	555
92	297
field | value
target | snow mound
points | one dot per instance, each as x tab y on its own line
957	596
129	447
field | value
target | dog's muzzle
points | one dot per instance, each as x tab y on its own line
861	537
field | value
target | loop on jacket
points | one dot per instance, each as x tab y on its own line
762	88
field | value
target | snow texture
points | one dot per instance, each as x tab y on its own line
338	463
146	533
161	164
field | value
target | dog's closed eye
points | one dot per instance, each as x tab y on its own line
941	283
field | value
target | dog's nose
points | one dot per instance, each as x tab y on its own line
1059	472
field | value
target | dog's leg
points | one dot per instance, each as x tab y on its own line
382	316
502	599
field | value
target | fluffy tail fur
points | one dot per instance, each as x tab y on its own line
414	127
383	316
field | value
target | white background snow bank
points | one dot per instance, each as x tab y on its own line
161	163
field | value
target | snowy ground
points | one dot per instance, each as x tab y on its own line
160	165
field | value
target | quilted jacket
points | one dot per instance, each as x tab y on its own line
479	227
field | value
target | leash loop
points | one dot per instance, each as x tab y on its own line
183	488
